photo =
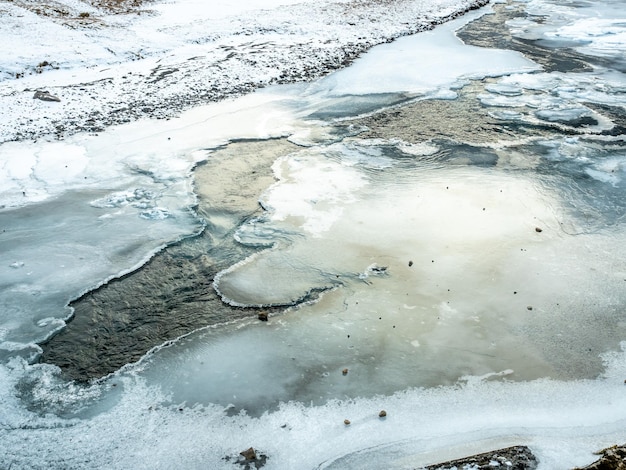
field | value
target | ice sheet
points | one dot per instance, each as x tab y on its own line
563	423
170	409
424	64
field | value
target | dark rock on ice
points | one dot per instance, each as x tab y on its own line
250	459
514	458
613	458
43	95
248	454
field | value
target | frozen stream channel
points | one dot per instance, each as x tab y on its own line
436	231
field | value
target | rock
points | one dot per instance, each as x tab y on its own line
538	230
382	414
249	459
43	95
345	371
263	316
410	263
248	454
511	458
346	422
613	458
529	307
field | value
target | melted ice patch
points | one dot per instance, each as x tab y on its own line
481	256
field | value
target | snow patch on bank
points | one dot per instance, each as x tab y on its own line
119	68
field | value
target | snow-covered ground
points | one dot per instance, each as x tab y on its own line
168	56
77	208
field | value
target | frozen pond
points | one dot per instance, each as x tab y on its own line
436	231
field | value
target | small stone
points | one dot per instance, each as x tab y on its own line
263	316
538	230
45	96
248	454
410	263
382	414
346	422
529	307
344	372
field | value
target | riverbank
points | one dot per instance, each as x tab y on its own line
110	66
431	233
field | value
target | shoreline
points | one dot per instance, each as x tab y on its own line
125	92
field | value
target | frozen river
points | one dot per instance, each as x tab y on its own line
436	230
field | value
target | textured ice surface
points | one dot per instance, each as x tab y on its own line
136	427
594	29
411	221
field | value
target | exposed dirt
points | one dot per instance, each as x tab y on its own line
70	14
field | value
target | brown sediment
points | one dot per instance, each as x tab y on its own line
172	294
436	119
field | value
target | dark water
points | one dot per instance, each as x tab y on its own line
172	294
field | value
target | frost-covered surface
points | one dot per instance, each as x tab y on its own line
136	427
109	69
79	211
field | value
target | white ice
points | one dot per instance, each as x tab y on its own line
138	418
562	422
424	64
591	28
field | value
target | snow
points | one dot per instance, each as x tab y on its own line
561	422
90	206
116	68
